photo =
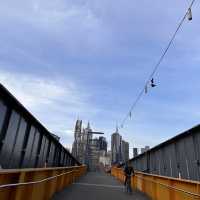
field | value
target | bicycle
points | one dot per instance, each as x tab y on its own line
128	188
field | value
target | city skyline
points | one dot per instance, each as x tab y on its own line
87	149
86	60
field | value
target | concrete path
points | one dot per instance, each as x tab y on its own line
97	186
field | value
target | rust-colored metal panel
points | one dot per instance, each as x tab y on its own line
40	183
162	187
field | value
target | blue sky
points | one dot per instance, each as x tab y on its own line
89	59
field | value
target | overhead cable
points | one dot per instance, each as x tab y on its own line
155	68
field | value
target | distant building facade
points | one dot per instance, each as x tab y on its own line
93	155
119	148
77	145
86	149
105	160
80	148
142	150
135	152
103	144
116	141
146	148
124	151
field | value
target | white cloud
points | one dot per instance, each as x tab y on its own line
33	91
56	103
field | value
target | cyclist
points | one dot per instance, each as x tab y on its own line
128	172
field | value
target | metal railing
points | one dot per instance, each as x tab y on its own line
40	184
160	187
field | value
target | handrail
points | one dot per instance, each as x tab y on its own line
156	186
6	171
35	182
170	187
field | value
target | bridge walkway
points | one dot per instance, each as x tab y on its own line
98	186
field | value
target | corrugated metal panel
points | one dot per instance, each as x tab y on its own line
29	158
9	140
3	110
24	142
180	158
16	154
196	141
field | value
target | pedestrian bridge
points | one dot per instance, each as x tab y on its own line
97	186
75	183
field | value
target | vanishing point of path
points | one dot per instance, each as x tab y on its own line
97	186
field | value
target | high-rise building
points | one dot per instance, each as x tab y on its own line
93	154
76	148
86	140
86	149
103	144
82	138
124	151
116	141
135	152
105	160
142	150
146	148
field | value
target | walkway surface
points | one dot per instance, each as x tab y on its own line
97	186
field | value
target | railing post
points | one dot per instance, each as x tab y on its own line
19	192
50	187
154	188
36	185
198	189
171	192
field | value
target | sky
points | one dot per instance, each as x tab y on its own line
89	59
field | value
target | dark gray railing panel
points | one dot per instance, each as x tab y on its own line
177	157
24	141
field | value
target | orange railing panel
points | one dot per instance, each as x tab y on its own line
40	183
160	187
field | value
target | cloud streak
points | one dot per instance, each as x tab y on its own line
56	103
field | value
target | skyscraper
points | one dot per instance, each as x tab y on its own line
142	150
82	138
93	154
116	141
76	148
146	148
86	149
124	151
135	152
86	140
103	144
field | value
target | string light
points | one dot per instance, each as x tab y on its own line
189	14
130	114
150	79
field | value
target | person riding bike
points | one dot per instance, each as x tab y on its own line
128	172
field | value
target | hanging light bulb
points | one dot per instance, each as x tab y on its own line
189	14
146	89
152	83
130	114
